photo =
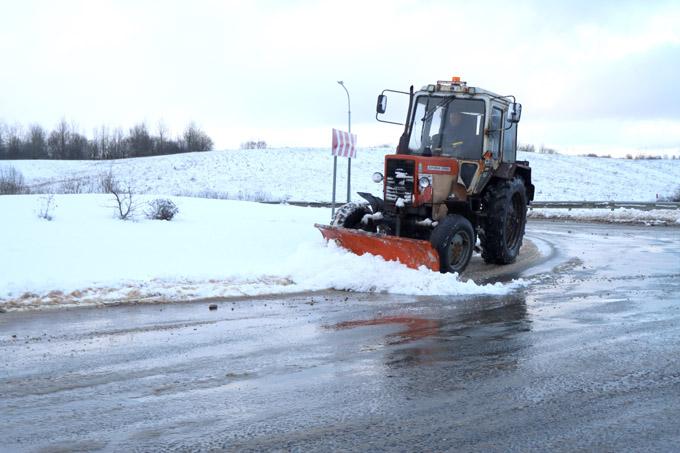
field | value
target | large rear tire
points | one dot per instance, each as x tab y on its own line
350	215
454	240
502	232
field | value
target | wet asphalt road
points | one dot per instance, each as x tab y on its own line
585	357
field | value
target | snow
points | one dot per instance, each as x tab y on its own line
620	215
213	248
368	217
226	248
305	174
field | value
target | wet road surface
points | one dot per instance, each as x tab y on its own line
585	357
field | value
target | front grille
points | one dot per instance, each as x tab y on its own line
399	181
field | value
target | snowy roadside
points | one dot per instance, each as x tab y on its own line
212	249
666	217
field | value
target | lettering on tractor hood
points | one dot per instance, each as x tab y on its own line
440	168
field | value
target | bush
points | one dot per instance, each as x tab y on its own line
12	182
647	157
107	182
546	150
161	209
527	148
73	185
252	144
46	208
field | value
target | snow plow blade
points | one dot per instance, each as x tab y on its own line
412	253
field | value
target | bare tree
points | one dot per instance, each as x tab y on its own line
3	149
11	181
162	137
118	146
65	141
122	194
36	143
58	140
14	143
196	140
124	202
140	141
101	136
77	146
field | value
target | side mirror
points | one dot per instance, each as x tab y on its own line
514	112
381	106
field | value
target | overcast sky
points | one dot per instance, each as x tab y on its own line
592	75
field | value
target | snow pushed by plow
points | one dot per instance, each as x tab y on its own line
342	270
212	249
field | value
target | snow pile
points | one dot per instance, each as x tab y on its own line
620	215
367	273
213	248
305	174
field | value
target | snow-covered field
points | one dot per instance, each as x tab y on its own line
305	174
213	248
226	248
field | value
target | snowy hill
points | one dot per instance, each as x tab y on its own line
305	174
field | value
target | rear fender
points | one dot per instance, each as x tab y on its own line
508	171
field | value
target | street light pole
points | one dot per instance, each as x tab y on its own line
349	129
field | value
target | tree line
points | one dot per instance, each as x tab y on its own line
66	142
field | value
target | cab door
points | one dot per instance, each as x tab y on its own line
495	131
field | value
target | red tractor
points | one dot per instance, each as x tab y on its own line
454	178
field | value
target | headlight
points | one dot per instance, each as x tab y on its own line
377	177
424	182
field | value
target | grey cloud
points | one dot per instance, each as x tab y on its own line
643	87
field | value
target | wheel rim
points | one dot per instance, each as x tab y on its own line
458	249
513	225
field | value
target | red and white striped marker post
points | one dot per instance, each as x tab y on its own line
344	145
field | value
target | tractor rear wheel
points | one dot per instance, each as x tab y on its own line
454	240
505	206
350	215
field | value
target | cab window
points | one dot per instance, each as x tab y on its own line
510	142
495	130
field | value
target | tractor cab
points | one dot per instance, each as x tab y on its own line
453	120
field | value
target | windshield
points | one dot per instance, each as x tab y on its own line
447	127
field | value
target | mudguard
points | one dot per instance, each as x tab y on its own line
377	204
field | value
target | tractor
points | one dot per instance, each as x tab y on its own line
454	180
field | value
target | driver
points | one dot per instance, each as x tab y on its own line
453	134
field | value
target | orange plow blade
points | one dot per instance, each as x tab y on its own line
410	252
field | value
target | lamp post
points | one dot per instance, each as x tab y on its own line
349	129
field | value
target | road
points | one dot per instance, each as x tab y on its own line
583	357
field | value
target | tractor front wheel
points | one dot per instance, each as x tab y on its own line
351	215
454	240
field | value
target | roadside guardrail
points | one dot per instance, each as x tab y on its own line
644	206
